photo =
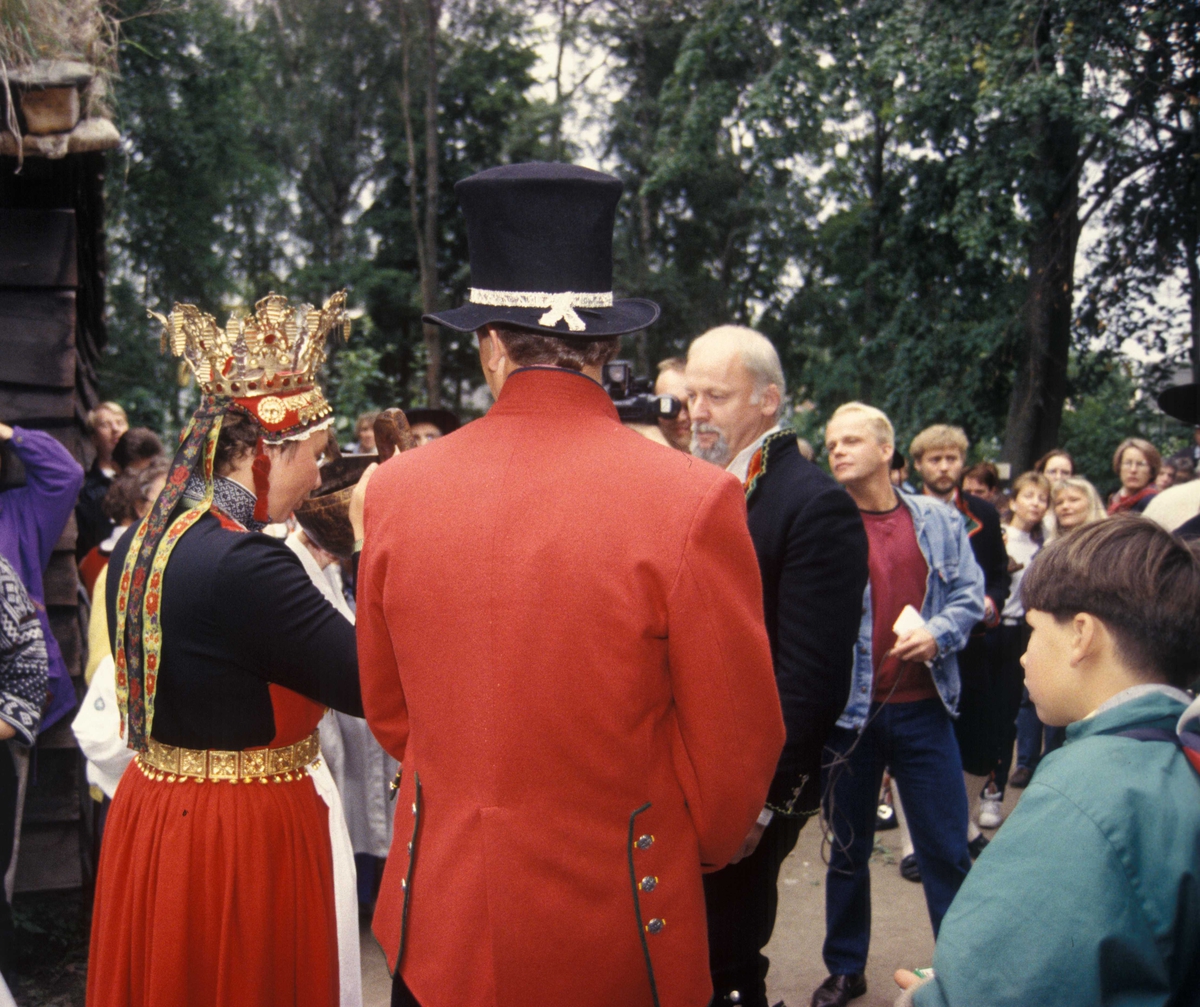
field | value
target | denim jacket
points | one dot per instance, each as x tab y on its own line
953	605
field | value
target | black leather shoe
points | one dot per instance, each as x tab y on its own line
976	846
1020	777
837	991
909	870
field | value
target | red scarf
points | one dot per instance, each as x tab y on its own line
1118	503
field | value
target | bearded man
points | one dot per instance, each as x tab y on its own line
812	557
986	726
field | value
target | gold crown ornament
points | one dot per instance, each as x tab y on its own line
266	362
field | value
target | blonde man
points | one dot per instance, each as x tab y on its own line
107	423
924	596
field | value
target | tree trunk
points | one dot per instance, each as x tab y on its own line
424	234
1193	272
556	151
429	275
875	190
1040	385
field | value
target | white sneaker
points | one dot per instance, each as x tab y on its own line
990	815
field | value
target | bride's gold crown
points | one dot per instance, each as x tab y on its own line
267	362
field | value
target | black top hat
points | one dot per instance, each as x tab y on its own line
443	419
1182	401
540	240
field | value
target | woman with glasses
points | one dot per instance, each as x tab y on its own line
1136	463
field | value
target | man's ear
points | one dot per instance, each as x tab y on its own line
771	400
491	350
1088	635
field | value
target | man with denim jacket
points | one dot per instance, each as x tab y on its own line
903	697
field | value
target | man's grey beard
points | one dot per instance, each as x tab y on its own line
718	454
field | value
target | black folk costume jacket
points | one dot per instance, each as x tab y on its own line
812	553
987	542
238	614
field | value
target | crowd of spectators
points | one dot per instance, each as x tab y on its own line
910	665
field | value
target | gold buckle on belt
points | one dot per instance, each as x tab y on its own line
167	762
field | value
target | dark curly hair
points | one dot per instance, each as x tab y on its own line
529	349
137	444
121	500
238	439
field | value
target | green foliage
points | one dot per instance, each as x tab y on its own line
882	187
485	63
1152	224
256	135
184	194
887	188
776	187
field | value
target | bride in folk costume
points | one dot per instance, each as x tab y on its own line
217	875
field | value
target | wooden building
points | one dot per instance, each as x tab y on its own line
52	274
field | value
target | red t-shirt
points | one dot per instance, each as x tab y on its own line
898	574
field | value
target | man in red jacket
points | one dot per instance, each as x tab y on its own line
561	637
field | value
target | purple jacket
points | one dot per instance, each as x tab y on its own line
32	518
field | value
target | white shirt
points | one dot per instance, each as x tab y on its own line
740	466
1022	548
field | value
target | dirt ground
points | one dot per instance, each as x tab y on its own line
900	932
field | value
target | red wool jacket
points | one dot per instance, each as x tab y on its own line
560	635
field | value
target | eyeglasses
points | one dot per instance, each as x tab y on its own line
1132	464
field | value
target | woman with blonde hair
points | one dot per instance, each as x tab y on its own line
1075	502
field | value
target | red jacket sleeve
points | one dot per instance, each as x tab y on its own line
730	728
382	693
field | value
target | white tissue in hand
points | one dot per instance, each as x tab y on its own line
908	620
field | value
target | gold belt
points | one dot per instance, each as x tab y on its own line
175	765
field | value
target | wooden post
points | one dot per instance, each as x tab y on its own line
51	332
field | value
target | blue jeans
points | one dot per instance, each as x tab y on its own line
1030	732
916	741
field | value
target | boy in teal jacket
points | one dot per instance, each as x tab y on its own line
1090	893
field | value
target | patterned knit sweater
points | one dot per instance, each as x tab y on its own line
24	676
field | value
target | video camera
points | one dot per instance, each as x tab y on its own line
634	397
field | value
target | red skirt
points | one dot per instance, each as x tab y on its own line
214	895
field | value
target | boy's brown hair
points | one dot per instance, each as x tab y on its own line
1138	579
